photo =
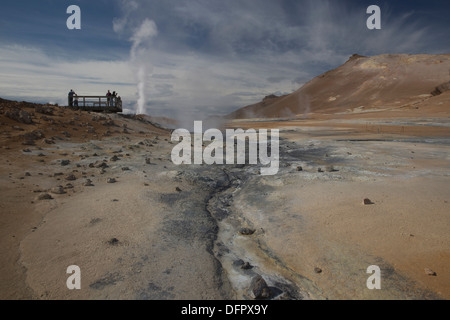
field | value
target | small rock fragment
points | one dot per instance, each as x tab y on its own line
317	270
367	201
430	272
71	177
259	288
246	266
58	190
113	242
111	180
45	196
88	183
331	168
246	231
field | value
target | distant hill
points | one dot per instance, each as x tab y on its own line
361	84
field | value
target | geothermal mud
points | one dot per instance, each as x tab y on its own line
140	227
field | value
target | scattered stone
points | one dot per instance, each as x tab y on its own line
69	186
111	180
102	165
125	168
299	168
95	220
114	158
71	177
114	241
58	190
65	162
246	231
44	109
26	150
319	170
88	183
34	135
19	115
259	288
27	174
368	201
317	270
246	266
109	123
331	169
178	189
430	272
58	174
49	141
147	161
45	196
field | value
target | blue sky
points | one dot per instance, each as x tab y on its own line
176	57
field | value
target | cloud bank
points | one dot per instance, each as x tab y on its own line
191	59
219	55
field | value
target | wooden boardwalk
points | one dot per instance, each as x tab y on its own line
95	103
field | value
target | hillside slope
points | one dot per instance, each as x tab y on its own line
361	84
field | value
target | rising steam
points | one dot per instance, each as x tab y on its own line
140	39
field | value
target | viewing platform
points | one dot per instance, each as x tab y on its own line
95	103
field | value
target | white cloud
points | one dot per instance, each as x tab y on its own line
33	74
214	56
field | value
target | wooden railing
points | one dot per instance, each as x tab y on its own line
96	103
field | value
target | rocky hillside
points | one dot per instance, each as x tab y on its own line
362	84
29	124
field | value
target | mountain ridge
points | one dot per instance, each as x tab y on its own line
367	83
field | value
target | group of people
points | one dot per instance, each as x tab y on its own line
113	99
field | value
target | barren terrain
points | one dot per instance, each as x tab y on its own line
358	185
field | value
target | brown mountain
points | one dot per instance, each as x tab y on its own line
362	84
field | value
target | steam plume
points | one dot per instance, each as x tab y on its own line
141	37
